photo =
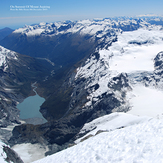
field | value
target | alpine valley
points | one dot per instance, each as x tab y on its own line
86	71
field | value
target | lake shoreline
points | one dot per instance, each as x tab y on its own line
29	108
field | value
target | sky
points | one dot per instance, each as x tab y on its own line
17	13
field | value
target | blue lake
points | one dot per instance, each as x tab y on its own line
30	107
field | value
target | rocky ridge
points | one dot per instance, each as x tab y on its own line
17	72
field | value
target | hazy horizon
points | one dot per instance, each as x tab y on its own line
16	13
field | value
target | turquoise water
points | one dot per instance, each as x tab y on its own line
30	107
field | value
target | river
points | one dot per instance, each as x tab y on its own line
29	108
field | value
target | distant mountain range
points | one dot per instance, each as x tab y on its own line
5	32
84	70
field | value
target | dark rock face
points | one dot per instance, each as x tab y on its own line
158	61
27	133
60	133
65	129
130	27
119	82
15	85
71	47
155	79
8	113
11	155
140	42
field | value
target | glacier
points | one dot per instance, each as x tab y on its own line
6	54
133	53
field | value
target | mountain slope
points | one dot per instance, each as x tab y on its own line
8	155
17	73
69	40
5	32
135	140
126	53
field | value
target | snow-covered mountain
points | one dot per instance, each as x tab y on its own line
118	137
17	72
101	66
6	55
135	53
96	27
66	39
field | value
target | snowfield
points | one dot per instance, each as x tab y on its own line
139	142
109	123
135	51
30	152
146	101
6	54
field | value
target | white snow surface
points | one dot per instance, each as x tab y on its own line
30	152
146	101
32	30
139	141
2	153
35	32
132	57
110	122
6	54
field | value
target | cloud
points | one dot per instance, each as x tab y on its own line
149	15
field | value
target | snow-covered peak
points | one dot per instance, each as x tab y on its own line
42	24
31	30
91	27
6	54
